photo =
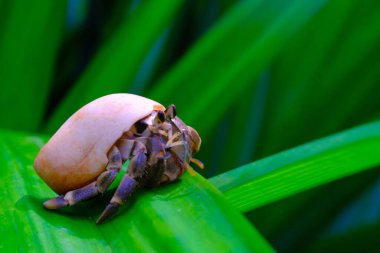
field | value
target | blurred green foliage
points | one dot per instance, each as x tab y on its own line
255	77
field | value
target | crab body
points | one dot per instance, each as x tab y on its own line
84	156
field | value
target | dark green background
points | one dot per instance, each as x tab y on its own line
253	77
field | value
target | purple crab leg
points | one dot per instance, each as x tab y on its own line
126	188
127	185
94	188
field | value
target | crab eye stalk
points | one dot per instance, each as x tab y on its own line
171	112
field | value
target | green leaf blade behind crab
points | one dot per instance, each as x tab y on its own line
30	36
241	45
115	66
187	216
301	168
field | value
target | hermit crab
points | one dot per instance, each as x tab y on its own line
84	156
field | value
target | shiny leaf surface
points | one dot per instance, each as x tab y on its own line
295	170
187	216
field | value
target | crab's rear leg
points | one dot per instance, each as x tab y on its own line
99	186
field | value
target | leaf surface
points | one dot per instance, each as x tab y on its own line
301	168
187	216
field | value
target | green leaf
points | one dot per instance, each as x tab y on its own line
301	168
322	205
30	34
339	51
244	128
187	216
116	64
331	71
224	63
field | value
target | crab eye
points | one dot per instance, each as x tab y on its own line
161	116
140	127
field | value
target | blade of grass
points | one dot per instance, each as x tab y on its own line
199	15
234	140
188	216
246	119
232	143
150	65
114	14
301	168
334	48
322	203
76	14
318	115
117	63
30	34
222	65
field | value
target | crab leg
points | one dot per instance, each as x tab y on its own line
91	190
172	139
126	187
130	148
123	192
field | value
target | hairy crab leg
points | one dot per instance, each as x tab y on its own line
91	190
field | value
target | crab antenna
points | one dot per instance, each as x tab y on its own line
198	163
